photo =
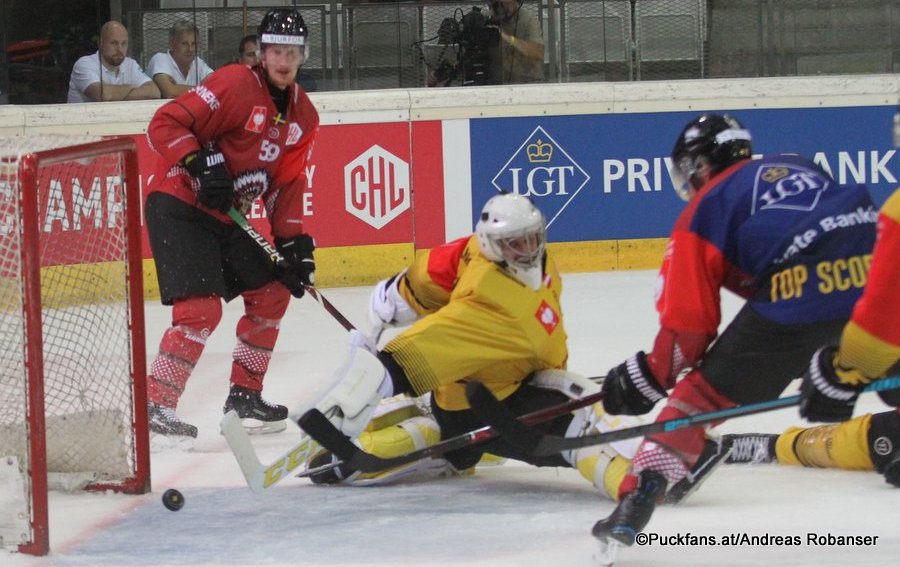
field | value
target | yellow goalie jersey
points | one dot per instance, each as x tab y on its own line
479	324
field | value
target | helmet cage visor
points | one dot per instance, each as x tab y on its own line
524	249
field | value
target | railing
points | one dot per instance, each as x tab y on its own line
374	45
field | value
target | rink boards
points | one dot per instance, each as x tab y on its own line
403	170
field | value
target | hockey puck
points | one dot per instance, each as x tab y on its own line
173	500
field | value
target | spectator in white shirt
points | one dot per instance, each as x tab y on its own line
179	69
109	74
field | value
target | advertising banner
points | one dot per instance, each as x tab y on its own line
606	177
361	185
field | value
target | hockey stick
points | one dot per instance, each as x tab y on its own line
322	430
492	411
279	261
260	477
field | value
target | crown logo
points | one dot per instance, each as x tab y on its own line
773	174
539	152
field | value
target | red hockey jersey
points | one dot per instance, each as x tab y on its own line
265	152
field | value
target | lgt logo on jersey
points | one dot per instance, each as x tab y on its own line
376	187
787	186
257	120
547	317
542	168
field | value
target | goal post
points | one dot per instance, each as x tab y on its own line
72	343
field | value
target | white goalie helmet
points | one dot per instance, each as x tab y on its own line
512	232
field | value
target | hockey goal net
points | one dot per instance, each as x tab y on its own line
72	362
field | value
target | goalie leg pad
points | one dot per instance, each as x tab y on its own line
603	468
392	411
595	419
394	440
407	436
840	445
354	394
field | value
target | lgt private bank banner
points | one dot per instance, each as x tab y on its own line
606	177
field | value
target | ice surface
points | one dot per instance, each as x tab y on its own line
512	515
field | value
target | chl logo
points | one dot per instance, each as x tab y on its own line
541	168
376	187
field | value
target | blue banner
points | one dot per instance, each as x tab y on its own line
606	177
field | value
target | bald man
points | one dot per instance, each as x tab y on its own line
109	74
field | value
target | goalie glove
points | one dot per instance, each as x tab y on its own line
215	186
828	393
631	388
387	306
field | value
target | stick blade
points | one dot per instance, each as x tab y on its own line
239	443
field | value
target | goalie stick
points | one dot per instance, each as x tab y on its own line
322	430
492	411
279	261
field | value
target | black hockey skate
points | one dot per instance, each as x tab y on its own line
716	452
167	429
751	448
629	518
257	415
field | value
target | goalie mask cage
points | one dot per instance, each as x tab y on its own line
73	403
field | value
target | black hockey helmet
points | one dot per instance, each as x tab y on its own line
282	26
714	140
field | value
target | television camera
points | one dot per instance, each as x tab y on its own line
473	34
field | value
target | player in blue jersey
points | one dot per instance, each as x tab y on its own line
777	231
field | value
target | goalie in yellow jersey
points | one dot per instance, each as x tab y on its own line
485	307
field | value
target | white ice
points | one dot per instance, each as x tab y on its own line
511	515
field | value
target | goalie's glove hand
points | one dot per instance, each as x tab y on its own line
387	307
828	393
216	186
300	267
630	388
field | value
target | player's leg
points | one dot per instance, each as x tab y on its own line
753	360
185	244
248	273
397	427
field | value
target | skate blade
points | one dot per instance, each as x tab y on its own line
257	427
160	443
607	551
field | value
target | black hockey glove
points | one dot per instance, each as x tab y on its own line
823	396
300	270
216	186
631	388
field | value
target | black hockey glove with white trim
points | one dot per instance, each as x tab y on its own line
216	186
300	268
631	388
823	395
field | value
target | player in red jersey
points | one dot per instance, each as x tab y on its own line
777	231
246	133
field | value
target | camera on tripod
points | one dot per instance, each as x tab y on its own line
474	34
